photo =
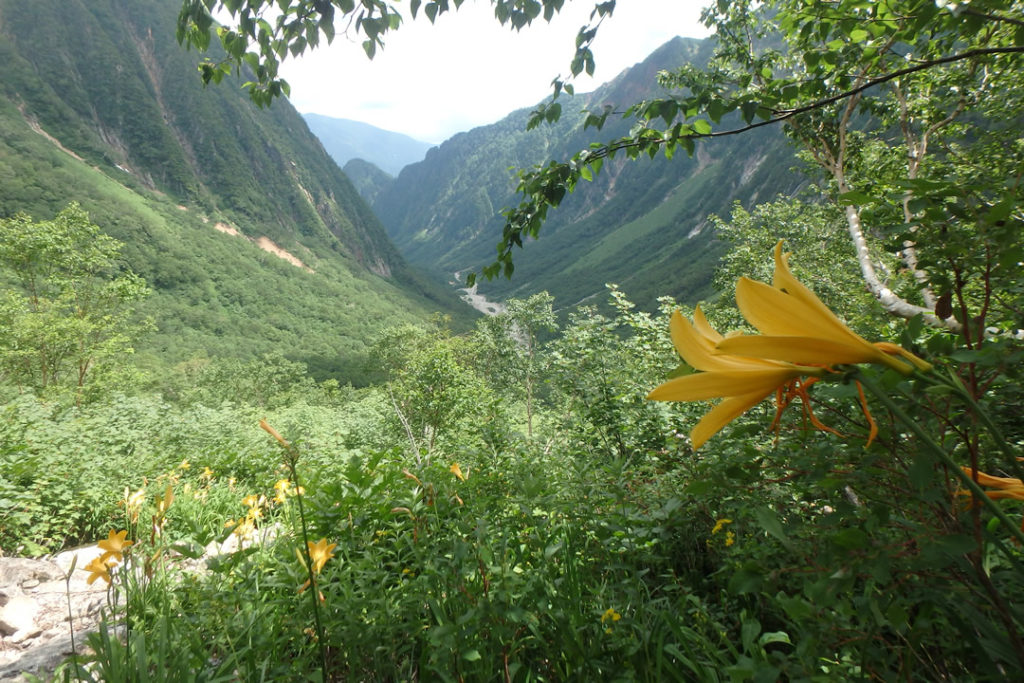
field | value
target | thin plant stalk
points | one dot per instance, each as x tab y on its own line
986	419
71	617
977	492
291	461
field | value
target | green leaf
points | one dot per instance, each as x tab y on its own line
189	549
856	197
749	110
770	522
471	656
774	637
850	539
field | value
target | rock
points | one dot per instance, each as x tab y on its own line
27	634
19	615
18	570
35	626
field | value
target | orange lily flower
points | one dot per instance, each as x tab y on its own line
797	327
742	381
98	569
114	545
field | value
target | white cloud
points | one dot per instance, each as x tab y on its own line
466	70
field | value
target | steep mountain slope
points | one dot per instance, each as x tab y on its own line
641	224
211	195
345	140
368	180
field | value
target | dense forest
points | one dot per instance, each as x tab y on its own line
814	474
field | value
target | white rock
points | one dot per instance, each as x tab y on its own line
28	634
19	614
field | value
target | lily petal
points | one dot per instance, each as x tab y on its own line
1017	493
697	348
775	312
896	349
722	414
808	350
706	385
995	482
702	326
784	280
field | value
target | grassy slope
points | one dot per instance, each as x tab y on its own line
214	294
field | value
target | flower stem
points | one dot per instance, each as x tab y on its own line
986	419
977	492
71	617
291	460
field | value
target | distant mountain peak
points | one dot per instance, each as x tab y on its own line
345	139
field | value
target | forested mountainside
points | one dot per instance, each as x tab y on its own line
345	140
640	224
368	179
251	237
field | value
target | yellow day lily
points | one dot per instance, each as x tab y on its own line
741	380
163	503
319	553
1005	487
114	545
797	327
98	569
457	471
610	615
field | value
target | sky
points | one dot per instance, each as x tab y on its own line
432	81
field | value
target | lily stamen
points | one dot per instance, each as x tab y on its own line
872	425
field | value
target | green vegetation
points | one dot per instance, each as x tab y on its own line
155	163
75	315
508	503
452	542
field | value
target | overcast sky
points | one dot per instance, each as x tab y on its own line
431	82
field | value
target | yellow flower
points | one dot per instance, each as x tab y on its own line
98	569
207	473
610	615
719	524
244	528
730	538
185	464
797	327
164	503
133	503
742	381
457	471
114	545
284	489
1005	487
319	553
254	502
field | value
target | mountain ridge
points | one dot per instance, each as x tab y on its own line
345	140
159	161
627	226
